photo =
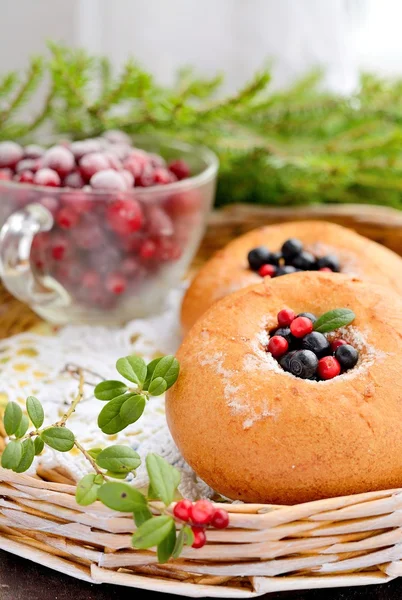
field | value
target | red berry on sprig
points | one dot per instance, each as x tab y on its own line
200	539
202	512
220	520
182	510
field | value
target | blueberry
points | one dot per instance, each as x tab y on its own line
291	248
275	258
317	343
258	257
330	262
283	332
310	316
347	356
285	270
304	261
303	364
285	360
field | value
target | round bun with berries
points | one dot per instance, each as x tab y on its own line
331	246
259	433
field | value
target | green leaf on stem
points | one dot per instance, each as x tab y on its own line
12	418
157	386
107	390
11	457
27	457
121	497
39	444
119	459
58	438
132	409
150	371
109	419
163	478
87	489
132	368
153	532
94	452
116	475
23	427
334	319
35	411
168	368
166	546
141	515
185	538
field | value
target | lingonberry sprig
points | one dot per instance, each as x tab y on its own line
125	404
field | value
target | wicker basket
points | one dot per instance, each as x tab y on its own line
348	541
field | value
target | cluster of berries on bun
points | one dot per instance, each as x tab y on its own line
200	514
292	258
306	353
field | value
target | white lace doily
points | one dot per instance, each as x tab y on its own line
34	364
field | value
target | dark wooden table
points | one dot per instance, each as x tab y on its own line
24	580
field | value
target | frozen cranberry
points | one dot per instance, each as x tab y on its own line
47	177
220	520
24	177
201	512
124	216
148	249
79	201
183	203
267	271
10	154
6	174
114	162
128	178
115	136
162	176
121	151
179	168
33	151
67	218
168	250
73	180
82	147
116	283
91	279
156	160
50	203
278	346
28	164
182	510
88	236
59	159
129	266
146	177
159	223
285	317
109	180
59	246
200	539
328	367
301	326
136	162
336	343
93	163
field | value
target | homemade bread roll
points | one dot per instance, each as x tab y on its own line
258	434
228	269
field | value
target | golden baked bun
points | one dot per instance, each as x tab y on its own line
228	269
256	433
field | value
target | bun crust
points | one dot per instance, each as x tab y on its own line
256	433
228	270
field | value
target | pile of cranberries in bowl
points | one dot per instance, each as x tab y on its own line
292	257
306	353
126	221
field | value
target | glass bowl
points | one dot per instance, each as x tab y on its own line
90	267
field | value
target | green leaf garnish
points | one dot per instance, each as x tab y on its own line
185	537
153	532
163	478
12	418
150	371
168	368
22	427
87	489
121	497
27	457
157	386
58	438
39	444
142	514
132	409
334	319
132	368
109	419
118	459
11	457
107	390
35	411
166	546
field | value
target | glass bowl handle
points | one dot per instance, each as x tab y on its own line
16	238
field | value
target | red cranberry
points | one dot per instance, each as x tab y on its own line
267	271
183	203
88	236
67	218
115	136
328	367
10	154
59	247
285	317
74	180
179	168
109	180
82	147
220	520
159	223
167	249
124	216
90	280
24	177
129	266
336	343
278	346
301	326
120	150
162	176
33	151
201	512
146	177
148	249
114	162
6	174
92	163
136	162
28	164
116	283
326	270
182	510
156	160
47	177
200	539
78	201
128	178
59	159
69	272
